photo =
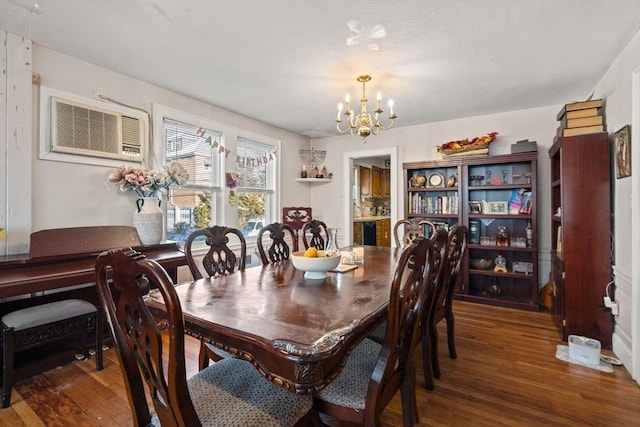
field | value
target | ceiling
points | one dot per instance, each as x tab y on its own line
288	63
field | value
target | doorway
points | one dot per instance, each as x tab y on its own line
390	153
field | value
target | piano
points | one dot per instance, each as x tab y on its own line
63	257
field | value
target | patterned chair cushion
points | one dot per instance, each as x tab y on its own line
231	392
378	333
350	388
223	354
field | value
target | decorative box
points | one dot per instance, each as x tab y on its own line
524	146
585	350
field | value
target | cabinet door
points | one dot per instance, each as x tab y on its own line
365	181
383	232
357	233
376	181
386	183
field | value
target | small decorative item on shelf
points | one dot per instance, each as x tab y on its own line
466	147
502	238
481	263
500	264
476	180
315	172
303	173
418	181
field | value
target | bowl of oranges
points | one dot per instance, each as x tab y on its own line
315	263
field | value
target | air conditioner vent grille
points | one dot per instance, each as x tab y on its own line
83	130
86	129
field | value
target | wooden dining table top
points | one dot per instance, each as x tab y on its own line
297	332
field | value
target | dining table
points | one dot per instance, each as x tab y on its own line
297	332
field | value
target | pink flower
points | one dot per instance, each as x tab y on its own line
149	184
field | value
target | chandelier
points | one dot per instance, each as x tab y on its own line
364	124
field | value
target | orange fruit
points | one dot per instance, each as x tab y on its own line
311	252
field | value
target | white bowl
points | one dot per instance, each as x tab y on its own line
317	267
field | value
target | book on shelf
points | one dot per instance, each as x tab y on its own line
587	112
583	105
583	121
583	130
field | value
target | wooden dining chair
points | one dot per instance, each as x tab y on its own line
457	246
231	392
278	248
412	229
433	280
319	234
374	372
433	277
219	260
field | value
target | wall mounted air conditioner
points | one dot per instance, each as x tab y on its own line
81	129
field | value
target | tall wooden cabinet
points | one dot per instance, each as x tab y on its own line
476	191
581	235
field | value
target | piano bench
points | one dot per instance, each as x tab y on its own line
42	324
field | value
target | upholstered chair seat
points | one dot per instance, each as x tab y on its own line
232	393
350	388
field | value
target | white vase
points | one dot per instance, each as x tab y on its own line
148	220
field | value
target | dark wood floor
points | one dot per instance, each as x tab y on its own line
506	374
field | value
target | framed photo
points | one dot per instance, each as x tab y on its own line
475	207
527	202
498	208
622	146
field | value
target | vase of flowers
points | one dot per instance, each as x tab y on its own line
151	188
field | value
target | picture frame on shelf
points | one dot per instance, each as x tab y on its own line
475	207
527	203
498	208
622	146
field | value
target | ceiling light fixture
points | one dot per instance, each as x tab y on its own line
364	124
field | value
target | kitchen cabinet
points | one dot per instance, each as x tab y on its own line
376	182
383	232
380	182
386	183
365	181
357	233
580	222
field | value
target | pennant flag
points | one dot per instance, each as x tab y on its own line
200	132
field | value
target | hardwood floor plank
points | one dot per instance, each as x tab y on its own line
506	374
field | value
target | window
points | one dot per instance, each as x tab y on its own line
192	206
256	163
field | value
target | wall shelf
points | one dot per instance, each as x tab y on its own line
318	180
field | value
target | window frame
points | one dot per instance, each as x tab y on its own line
225	212
273	177
158	155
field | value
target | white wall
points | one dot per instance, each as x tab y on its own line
69	194
617	87
418	143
